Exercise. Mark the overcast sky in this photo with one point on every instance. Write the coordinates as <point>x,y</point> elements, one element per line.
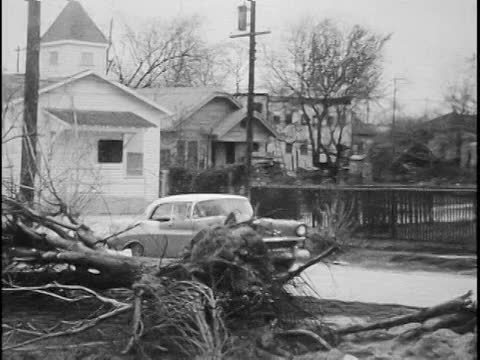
<point>431,38</point>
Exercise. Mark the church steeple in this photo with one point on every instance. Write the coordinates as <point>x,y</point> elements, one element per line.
<point>73,43</point>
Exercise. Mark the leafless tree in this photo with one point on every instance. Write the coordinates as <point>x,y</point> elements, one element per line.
<point>462,95</point>
<point>236,63</point>
<point>321,64</point>
<point>166,54</point>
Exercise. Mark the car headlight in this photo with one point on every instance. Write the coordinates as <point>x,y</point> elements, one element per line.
<point>301,230</point>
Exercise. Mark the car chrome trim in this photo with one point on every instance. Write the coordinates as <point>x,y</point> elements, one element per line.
<point>283,238</point>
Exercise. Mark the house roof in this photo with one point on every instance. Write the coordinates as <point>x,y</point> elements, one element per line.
<point>184,101</point>
<point>13,85</point>
<point>361,128</point>
<point>73,23</point>
<point>101,118</point>
<point>227,124</point>
<point>453,121</point>
<point>51,84</point>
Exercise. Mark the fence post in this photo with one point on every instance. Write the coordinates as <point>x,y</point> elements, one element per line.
<point>393,215</point>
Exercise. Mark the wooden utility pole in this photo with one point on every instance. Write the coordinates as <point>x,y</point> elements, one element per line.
<point>251,88</point>
<point>17,50</point>
<point>393,114</point>
<point>30,100</point>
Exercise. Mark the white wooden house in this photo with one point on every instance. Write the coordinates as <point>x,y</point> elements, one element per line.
<point>98,141</point>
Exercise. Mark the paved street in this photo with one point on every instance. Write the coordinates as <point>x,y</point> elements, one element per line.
<point>416,288</point>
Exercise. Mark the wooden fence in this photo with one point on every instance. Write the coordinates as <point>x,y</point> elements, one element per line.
<point>403,213</point>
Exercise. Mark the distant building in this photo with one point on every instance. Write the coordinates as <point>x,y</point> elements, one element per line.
<point>454,138</point>
<point>293,145</point>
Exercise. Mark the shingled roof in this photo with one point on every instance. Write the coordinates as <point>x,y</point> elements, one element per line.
<point>183,101</point>
<point>101,118</point>
<point>73,23</point>
<point>452,122</point>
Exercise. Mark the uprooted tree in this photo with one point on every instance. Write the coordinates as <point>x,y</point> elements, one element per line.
<point>225,274</point>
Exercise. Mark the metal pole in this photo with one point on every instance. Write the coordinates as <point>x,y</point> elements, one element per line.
<point>29,139</point>
<point>251,86</point>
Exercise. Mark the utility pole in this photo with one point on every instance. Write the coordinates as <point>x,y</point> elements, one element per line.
<point>108,63</point>
<point>30,99</point>
<point>394,109</point>
<point>251,81</point>
<point>17,50</point>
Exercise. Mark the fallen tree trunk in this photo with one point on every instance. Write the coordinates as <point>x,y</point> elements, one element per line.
<point>460,304</point>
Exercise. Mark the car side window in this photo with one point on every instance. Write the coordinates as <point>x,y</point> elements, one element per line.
<point>163,211</point>
<point>181,210</point>
<point>207,208</point>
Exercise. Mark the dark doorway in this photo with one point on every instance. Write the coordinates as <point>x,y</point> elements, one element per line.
<point>230,152</point>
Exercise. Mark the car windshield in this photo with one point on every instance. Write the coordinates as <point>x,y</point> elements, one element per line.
<point>218,207</point>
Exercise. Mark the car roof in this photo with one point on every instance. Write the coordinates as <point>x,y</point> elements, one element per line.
<point>192,198</point>
<point>197,197</point>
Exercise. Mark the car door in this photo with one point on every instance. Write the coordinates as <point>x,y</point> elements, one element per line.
<point>156,230</point>
<point>206,214</point>
<point>181,226</point>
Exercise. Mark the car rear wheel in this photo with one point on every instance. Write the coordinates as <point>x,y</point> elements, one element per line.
<point>136,249</point>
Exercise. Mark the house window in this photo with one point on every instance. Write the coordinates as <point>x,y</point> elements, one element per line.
<point>258,107</point>
<point>53,57</point>
<point>192,154</point>
<point>180,152</point>
<point>288,118</point>
<point>288,148</point>
<point>256,147</point>
<point>110,151</point>
<point>134,164</point>
<point>276,119</point>
<point>165,158</point>
<point>86,59</point>
<point>304,149</point>
<point>243,123</point>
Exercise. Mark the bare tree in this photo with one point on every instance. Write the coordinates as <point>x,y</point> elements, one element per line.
<point>157,53</point>
<point>236,63</point>
<point>324,67</point>
<point>167,54</point>
<point>462,95</point>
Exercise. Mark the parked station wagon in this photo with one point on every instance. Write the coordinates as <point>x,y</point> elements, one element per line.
<point>170,223</point>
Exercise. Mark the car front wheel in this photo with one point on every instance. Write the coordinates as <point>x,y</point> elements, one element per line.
<point>136,249</point>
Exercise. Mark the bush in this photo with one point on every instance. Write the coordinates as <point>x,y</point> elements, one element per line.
<point>215,180</point>
<point>181,180</point>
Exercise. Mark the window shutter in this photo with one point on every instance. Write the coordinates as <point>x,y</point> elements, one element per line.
<point>192,154</point>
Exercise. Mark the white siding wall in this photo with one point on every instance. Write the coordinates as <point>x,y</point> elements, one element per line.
<point>58,145</point>
<point>69,59</point>
<point>12,145</point>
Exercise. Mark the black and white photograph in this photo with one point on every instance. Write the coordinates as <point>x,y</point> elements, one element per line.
<point>239,179</point>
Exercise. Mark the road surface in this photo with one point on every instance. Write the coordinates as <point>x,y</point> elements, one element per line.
<point>411,288</point>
